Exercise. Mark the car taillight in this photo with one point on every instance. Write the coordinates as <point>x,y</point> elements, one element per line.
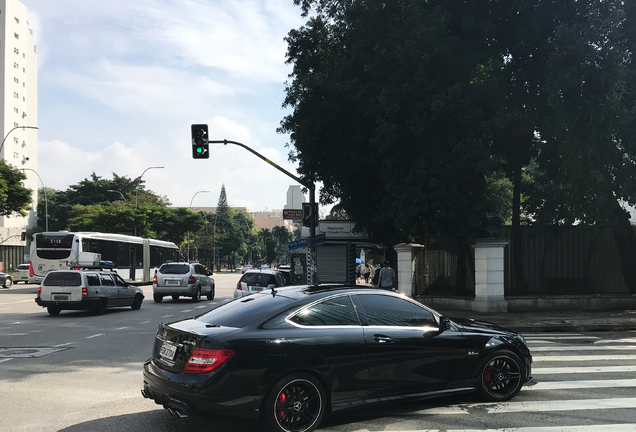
<point>84,291</point>
<point>238,286</point>
<point>39,291</point>
<point>75,268</point>
<point>30,269</point>
<point>204,360</point>
<point>191,279</point>
<point>154,279</point>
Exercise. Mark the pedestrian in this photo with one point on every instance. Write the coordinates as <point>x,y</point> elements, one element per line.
<point>387,277</point>
<point>376,276</point>
<point>367,272</point>
<point>358,274</point>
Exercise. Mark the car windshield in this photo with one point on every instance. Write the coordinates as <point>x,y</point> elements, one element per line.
<point>244,311</point>
<point>62,279</point>
<point>258,279</point>
<point>175,269</point>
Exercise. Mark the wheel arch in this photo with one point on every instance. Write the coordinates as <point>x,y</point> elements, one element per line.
<point>320,378</point>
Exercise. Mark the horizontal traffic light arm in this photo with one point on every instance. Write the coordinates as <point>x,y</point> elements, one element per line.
<point>308,185</point>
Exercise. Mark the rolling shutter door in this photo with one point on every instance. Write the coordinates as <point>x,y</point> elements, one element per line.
<point>332,264</point>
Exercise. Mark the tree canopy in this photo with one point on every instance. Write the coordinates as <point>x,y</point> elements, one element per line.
<point>15,199</point>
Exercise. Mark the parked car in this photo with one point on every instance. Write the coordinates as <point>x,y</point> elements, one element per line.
<point>246,267</point>
<point>5,280</point>
<point>182,280</point>
<point>286,271</point>
<point>257,280</point>
<point>21,274</point>
<point>292,355</point>
<point>86,290</point>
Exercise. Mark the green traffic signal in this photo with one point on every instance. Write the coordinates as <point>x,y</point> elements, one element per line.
<point>200,141</point>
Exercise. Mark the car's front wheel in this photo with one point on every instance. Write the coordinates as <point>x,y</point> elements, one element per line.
<point>211,293</point>
<point>197,295</point>
<point>296,403</point>
<point>501,376</point>
<point>102,306</point>
<point>136,304</point>
<point>8,282</point>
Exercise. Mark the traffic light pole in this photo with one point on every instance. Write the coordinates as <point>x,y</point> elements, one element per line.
<point>308,185</point>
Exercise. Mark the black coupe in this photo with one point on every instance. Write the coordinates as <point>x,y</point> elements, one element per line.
<point>292,355</point>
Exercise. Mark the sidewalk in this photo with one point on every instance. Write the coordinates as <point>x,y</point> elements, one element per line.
<point>555,321</point>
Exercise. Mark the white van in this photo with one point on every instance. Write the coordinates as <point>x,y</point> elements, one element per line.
<point>21,274</point>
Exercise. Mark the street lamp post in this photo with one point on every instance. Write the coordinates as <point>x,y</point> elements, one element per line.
<point>17,127</point>
<point>139,178</point>
<point>46,201</point>
<point>116,191</point>
<point>190,207</point>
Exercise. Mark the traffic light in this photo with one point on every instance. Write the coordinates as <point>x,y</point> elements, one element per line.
<point>307,214</point>
<point>200,141</point>
<point>23,236</point>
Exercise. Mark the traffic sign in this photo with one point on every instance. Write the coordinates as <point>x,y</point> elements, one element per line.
<point>316,240</point>
<point>297,244</point>
<point>292,214</point>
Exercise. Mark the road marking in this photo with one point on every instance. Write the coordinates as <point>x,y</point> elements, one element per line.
<point>585,348</point>
<point>199,307</point>
<point>529,338</point>
<point>16,302</point>
<point>551,334</point>
<point>534,406</point>
<point>628,340</point>
<point>144,322</point>
<point>591,369</point>
<point>539,342</point>
<point>564,385</point>
<point>5,360</point>
<point>167,316</point>
<point>583,358</point>
<point>622,427</point>
<point>64,344</point>
<point>187,310</point>
<point>122,328</point>
<point>14,334</point>
<point>94,336</point>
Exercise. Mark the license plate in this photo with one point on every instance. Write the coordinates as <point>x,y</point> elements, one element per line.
<point>168,351</point>
<point>173,282</point>
<point>60,297</point>
<point>257,288</point>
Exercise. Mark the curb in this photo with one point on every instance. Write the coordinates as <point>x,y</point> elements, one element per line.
<point>551,328</point>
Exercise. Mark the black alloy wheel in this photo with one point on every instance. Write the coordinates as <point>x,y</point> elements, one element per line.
<point>53,310</point>
<point>7,282</point>
<point>102,307</point>
<point>197,296</point>
<point>157,298</point>
<point>501,376</point>
<point>175,297</point>
<point>136,304</point>
<point>211,293</point>
<point>296,403</point>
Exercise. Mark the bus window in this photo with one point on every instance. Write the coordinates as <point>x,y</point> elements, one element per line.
<point>53,247</point>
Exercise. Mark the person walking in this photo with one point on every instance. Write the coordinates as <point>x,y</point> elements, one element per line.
<point>387,277</point>
<point>367,272</point>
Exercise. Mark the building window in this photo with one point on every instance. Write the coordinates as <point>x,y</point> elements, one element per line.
<point>15,50</point>
<point>17,36</point>
<point>15,155</point>
<point>15,65</point>
<point>15,95</point>
<point>23,99</point>
<point>15,110</point>
<point>15,140</point>
<point>23,69</point>
<point>17,21</point>
<point>17,81</point>
<point>23,143</point>
<point>15,124</point>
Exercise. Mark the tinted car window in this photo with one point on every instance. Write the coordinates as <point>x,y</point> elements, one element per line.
<point>338,311</point>
<point>383,310</point>
<point>106,280</point>
<point>23,267</point>
<point>244,311</point>
<point>258,279</point>
<point>62,279</point>
<point>174,269</point>
<point>119,281</point>
<point>93,279</point>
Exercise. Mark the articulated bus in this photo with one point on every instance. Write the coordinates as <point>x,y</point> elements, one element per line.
<point>134,258</point>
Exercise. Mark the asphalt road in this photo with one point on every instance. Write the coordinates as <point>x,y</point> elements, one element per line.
<point>82,372</point>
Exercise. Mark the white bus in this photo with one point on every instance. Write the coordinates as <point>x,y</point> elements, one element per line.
<point>134,258</point>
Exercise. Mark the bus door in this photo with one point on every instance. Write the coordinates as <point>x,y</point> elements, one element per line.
<point>131,260</point>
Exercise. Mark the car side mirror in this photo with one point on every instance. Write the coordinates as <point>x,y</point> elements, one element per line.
<point>210,273</point>
<point>444,324</point>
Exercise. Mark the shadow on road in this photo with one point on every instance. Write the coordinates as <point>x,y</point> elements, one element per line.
<point>30,289</point>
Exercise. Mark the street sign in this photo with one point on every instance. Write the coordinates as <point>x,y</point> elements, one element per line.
<point>292,214</point>
<point>316,240</point>
<point>297,244</point>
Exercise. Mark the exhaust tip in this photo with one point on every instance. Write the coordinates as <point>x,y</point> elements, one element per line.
<point>172,412</point>
<point>145,394</point>
<point>181,414</point>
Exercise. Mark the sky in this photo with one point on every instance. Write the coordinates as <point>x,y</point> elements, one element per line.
<point>120,82</point>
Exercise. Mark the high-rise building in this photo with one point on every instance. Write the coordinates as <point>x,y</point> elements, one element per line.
<point>19,93</point>
<point>295,198</point>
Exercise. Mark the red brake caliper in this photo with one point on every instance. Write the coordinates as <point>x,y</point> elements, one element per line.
<point>281,399</point>
<point>487,377</point>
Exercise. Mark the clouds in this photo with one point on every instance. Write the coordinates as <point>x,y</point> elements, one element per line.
<point>121,81</point>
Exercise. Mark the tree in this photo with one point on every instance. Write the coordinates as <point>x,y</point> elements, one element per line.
<point>15,199</point>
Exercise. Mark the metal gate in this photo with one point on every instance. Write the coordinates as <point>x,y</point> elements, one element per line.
<point>331,262</point>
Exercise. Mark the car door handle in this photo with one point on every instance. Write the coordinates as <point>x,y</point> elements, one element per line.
<point>382,339</point>
<point>277,341</point>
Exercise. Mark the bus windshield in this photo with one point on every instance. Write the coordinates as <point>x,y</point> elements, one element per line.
<point>53,246</point>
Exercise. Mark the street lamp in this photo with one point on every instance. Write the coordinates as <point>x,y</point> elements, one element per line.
<point>46,201</point>
<point>190,207</point>
<point>116,191</point>
<point>139,178</point>
<point>17,127</point>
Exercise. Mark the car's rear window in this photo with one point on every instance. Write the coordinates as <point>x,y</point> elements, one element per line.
<point>174,269</point>
<point>23,267</point>
<point>62,279</point>
<point>258,279</point>
<point>245,311</point>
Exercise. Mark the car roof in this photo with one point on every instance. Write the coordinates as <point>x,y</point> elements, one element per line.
<point>316,292</point>
<point>262,271</point>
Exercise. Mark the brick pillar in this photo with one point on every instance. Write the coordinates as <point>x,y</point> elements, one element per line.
<point>489,276</point>
<point>406,253</point>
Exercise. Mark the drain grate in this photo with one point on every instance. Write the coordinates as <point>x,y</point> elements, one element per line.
<point>29,352</point>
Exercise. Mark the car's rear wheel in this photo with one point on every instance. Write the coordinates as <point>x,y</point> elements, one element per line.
<point>197,296</point>
<point>501,376</point>
<point>296,403</point>
<point>102,307</point>
<point>136,304</point>
<point>211,293</point>
<point>157,298</point>
<point>53,310</point>
<point>8,282</point>
<point>175,297</point>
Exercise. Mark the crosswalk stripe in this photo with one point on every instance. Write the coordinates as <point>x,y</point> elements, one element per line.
<point>539,342</point>
<point>621,427</point>
<point>534,406</point>
<point>538,359</point>
<point>582,384</point>
<point>529,338</point>
<point>584,348</point>
<point>551,334</point>
<point>585,369</point>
